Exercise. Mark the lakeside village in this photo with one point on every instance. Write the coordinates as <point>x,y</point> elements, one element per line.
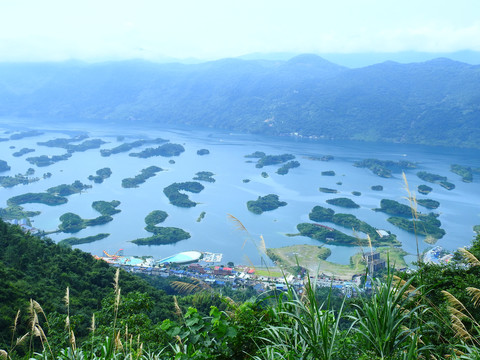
<point>205,266</point>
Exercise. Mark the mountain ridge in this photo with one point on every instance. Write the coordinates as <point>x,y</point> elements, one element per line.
<point>304,96</point>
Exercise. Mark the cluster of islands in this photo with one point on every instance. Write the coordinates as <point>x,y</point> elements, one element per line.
<point>323,218</point>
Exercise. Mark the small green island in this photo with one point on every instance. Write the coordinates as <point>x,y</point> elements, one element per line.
<point>145,174</point>
<point>179,199</point>
<point>424,189</point>
<point>385,168</point>
<point>53,196</point>
<point>44,160</point>
<point>23,179</point>
<point>4,166</point>
<point>266,160</point>
<point>164,236</point>
<point>264,174</point>
<point>428,203</point>
<point>84,146</point>
<point>356,193</point>
<point>161,235</point>
<point>427,225</point>
<point>66,190</point>
<point>165,150</point>
<point>437,179</point>
<point>72,223</point>
<point>201,216</point>
<point>155,217</point>
<point>256,155</point>
<point>265,203</point>
<point>204,176</point>
<point>402,216</point>
<point>106,207</point>
<point>63,142</point>
<point>16,212</point>
<point>129,146</point>
<point>466,172</point>
<point>343,202</point>
<point>71,148</point>
<point>327,190</point>
<point>393,207</point>
<point>328,173</point>
<point>284,169</point>
<point>202,152</point>
<point>22,152</point>
<point>78,241</point>
<point>245,181</point>
<point>377,188</point>
<point>349,221</point>
<point>101,175</point>
<point>320,158</point>
<point>24,134</point>
<point>42,198</point>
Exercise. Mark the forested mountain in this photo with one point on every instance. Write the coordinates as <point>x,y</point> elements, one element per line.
<point>434,102</point>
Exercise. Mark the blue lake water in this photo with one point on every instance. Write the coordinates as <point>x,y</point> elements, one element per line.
<point>459,210</point>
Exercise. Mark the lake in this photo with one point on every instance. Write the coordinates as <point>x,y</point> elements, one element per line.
<point>459,210</point>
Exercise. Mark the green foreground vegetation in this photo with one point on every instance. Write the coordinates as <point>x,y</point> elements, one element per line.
<point>384,320</point>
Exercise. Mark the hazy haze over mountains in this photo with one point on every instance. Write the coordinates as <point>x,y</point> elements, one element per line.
<point>306,96</point>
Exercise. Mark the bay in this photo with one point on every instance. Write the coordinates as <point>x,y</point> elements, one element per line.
<point>459,210</point>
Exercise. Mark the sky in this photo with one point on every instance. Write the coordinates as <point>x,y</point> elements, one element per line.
<point>97,30</point>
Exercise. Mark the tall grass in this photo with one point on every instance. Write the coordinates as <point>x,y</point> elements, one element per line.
<point>386,320</point>
<point>308,329</point>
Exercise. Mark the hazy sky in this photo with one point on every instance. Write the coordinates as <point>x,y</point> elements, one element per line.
<point>210,29</point>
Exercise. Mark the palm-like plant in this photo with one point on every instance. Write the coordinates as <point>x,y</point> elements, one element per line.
<point>386,321</point>
<point>308,329</point>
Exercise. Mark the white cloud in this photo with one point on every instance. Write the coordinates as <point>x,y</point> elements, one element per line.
<point>87,29</point>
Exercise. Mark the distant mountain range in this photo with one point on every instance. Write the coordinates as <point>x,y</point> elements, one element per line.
<point>435,102</point>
